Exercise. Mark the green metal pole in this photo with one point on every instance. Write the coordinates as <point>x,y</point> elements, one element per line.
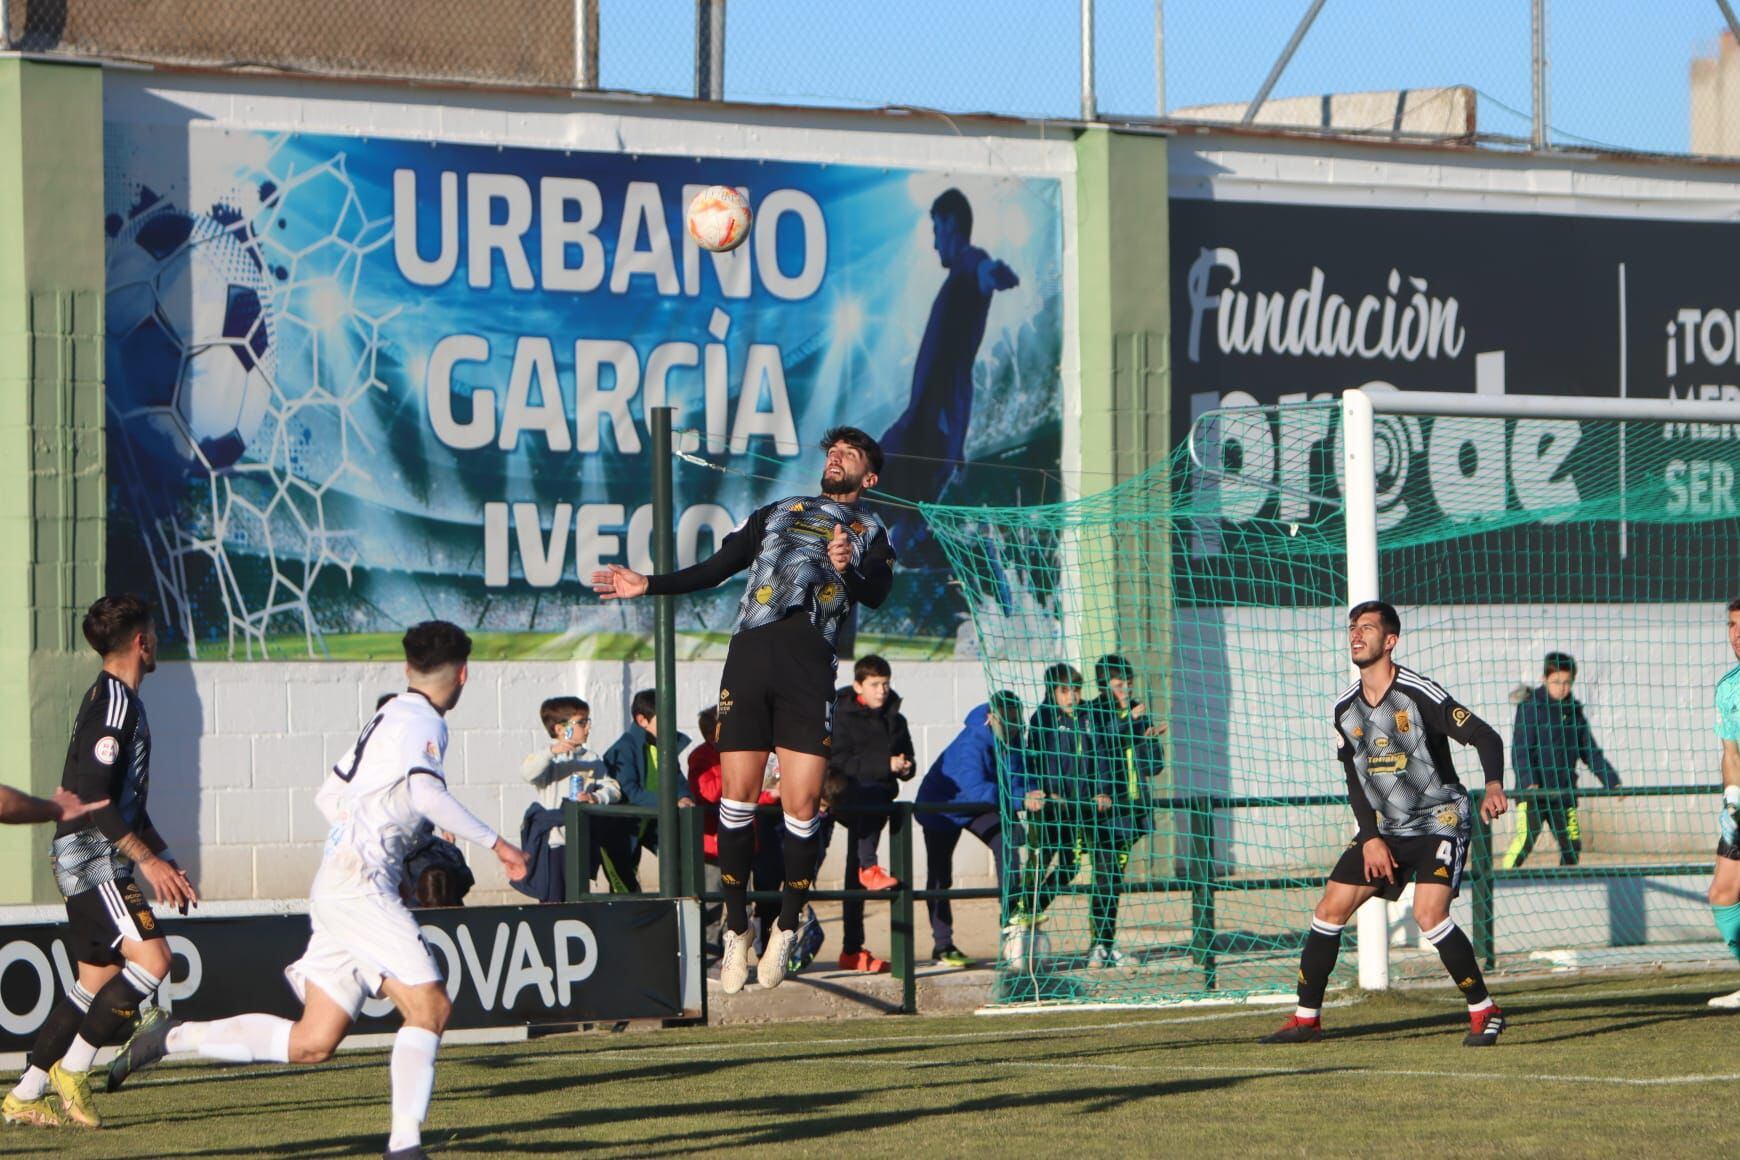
<point>664,551</point>
<point>900,930</point>
<point>1485,948</point>
<point>576,850</point>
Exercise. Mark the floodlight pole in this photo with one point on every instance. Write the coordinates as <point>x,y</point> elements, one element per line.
<point>709,50</point>
<point>1281,63</point>
<point>664,552</point>
<point>1160,58</point>
<point>1538,25</point>
<point>585,43</point>
<point>1089,103</point>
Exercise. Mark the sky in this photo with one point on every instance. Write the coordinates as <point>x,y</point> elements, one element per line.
<point>1618,69</point>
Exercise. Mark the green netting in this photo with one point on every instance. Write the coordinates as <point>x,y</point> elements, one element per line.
<point>1220,578</point>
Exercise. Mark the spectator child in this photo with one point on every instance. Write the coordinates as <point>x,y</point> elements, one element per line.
<point>634,761</point>
<point>872,748</point>
<point>975,768</point>
<point>1130,756</point>
<point>1551,735</point>
<point>567,769</point>
<point>1060,751</point>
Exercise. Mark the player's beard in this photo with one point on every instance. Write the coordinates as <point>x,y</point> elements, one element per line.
<point>844,484</point>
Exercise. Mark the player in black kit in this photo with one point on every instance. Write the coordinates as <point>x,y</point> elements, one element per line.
<point>120,948</point>
<point>811,560</point>
<point>1393,731</point>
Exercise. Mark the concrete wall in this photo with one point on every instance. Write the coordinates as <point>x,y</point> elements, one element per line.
<point>240,750</point>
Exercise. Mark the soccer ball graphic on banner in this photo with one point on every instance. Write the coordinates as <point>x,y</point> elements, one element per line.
<point>190,357</point>
<point>719,218</point>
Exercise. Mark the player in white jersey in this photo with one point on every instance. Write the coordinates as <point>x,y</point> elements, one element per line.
<point>365,942</point>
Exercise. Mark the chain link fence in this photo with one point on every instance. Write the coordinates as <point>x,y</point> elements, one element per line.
<point>1658,77</point>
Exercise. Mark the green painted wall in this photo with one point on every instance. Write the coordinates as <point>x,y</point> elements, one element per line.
<point>1123,292</point>
<point>51,428</point>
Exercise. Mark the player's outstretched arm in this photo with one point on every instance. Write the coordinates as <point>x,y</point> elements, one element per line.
<point>20,809</point>
<point>511,857</point>
<point>618,583</point>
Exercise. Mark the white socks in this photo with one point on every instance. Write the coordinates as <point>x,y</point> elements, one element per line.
<point>31,1084</point>
<point>239,1039</point>
<point>413,1084</point>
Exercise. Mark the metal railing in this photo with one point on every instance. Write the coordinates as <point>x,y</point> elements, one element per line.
<point>1195,852</point>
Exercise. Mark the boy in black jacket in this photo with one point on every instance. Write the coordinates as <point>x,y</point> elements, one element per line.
<point>872,749</point>
<point>1130,755</point>
<point>1062,753</point>
<point>1550,737</point>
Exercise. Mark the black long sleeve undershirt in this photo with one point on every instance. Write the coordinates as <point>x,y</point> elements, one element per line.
<point>734,555</point>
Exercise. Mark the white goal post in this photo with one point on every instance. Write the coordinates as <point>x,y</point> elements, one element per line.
<point>1359,498</point>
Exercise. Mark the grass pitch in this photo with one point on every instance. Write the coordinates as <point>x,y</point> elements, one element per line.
<point>1590,1066</point>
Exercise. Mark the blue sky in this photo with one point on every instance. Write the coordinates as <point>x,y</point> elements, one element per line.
<point>1618,67</point>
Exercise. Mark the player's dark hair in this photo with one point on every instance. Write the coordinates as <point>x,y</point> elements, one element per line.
<point>1386,613</point>
<point>645,704</point>
<point>870,665</point>
<point>437,886</point>
<point>1734,604</point>
<point>852,437</point>
<point>1062,674</point>
<point>1559,662</point>
<point>435,644</point>
<point>555,710</point>
<point>1112,667</point>
<point>953,204</point>
<point>709,722</point>
<point>113,621</point>
<point>1006,707</point>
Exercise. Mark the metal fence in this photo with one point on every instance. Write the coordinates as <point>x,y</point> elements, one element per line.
<point>1597,74</point>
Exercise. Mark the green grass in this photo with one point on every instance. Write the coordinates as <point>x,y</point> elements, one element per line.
<point>1591,1066</point>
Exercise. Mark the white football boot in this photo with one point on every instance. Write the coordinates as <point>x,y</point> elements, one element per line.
<point>734,962</point>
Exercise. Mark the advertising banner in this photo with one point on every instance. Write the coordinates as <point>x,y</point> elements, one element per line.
<point>358,383</point>
<point>1280,303</point>
<point>505,966</point>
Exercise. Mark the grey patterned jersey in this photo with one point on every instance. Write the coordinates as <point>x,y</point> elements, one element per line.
<point>109,757</point>
<point>1398,755</point>
<point>791,569</point>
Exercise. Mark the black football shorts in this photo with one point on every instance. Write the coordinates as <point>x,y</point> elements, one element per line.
<point>777,691</point>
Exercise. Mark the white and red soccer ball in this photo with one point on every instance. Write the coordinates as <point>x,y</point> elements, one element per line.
<point>719,218</point>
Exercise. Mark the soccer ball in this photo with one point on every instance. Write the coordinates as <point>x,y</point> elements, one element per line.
<point>190,353</point>
<point>719,218</point>
<point>1024,946</point>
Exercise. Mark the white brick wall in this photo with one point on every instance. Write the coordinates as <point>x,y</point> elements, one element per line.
<point>240,748</point>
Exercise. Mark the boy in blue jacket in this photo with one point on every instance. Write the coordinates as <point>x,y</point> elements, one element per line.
<point>1550,737</point>
<point>977,767</point>
<point>637,765</point>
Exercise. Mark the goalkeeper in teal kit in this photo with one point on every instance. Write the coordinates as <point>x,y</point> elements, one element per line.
<point>1725,884</point>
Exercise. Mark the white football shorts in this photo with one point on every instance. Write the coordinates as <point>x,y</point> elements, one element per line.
<point>356,943</point>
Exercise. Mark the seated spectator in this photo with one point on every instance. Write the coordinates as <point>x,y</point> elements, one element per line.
<point>1550,737</point>
<point>973,769</point>
<point>634,762</point>
<point>872,749</point>
<point>435,870</point>
<point>567,770</point>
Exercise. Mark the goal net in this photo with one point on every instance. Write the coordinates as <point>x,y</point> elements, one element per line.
<point>1184,832</point>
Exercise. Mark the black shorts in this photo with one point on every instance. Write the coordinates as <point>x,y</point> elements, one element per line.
<point>104,915</point>
<point>1431,858</point>
<point>777,691</point>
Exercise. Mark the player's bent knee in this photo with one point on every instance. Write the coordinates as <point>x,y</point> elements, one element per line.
<point>151,955</point>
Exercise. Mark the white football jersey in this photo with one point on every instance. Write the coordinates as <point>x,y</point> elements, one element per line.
<point>367,798</point>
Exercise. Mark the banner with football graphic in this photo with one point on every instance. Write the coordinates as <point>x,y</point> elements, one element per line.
<point>358,383</point>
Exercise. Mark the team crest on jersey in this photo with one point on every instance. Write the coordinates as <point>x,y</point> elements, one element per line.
<point>1402,722</point>
<point>146,920</point>
<point>827,594</point>
<point>857,527</point>
<point>107,750</point>
<point>1460,716</point>
<point>1448,816</point>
